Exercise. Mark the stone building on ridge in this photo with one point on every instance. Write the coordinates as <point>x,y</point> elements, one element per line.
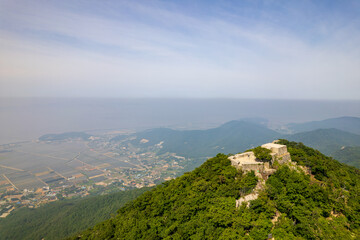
<point>247,161</point>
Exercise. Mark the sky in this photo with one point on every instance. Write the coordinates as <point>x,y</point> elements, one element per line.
<point>180,49</point>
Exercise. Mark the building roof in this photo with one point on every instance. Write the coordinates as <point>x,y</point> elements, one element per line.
<point>272,145</point>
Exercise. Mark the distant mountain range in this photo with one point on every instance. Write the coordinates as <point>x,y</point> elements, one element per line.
<point>328,136</point>
<point>231,137</point>
<point>326,140</point>
<point>348,124</point>
<point>237,136</point>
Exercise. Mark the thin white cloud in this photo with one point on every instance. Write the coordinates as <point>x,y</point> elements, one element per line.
<point>50,50</point>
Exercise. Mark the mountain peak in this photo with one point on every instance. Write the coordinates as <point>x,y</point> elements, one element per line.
<point>293,204</point>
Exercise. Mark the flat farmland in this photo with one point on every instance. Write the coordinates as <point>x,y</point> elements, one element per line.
<point>24,180</point>
<point>98,159</point>
<point>50,177</point>
<point>92,173</point>
<point>75,164</point>
<point>36,164</point>
<point>65,170</point>
<point>98,179</point>
<point>56,150</point>
<point>6,170</point>
<point>4,183</point>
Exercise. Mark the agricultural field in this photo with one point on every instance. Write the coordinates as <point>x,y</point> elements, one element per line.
<point>35,164</point>
<point>75,165</point>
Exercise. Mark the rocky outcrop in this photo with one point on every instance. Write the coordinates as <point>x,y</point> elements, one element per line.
<point>246,199</point>
<point>254,195</point>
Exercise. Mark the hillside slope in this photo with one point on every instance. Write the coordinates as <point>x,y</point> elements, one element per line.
<point>348,155</point>
<point>327,141</point>
<point>63,218</point>
<point>201,204</point>
<point>341,145</point>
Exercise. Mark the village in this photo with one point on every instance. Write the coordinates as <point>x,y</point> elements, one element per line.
<point>146,169</point>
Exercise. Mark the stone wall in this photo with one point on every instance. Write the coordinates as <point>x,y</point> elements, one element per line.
<point>257,167</point>
<point>283,158</point>
<point>243,157</point>
<point>248,162</point>
<point>278,149</point>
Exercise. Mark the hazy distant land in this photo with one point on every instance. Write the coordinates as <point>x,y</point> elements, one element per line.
<point>28,118</point>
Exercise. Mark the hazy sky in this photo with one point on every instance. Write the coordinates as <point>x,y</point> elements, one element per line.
<point>236,49</point>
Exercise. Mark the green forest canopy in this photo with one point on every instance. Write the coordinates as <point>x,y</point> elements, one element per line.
<point>201,204</point>
<point>63,218</point>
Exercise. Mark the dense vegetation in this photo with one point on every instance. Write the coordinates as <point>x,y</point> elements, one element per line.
<point>348,155</point>
<point>262,153</point>
<point>198,204</point>
<point>343,146</point>
<point>201,204</point>
<point>323,205</point>
<point>326,140</point>
<point>63,218</point>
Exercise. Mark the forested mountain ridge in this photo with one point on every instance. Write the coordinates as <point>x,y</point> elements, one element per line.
<point>239,135</point>
<point>63,218</point>
<point>348,155</point>
<point>295,204</point>
<point>327,141</point>
<point>231,137</point>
